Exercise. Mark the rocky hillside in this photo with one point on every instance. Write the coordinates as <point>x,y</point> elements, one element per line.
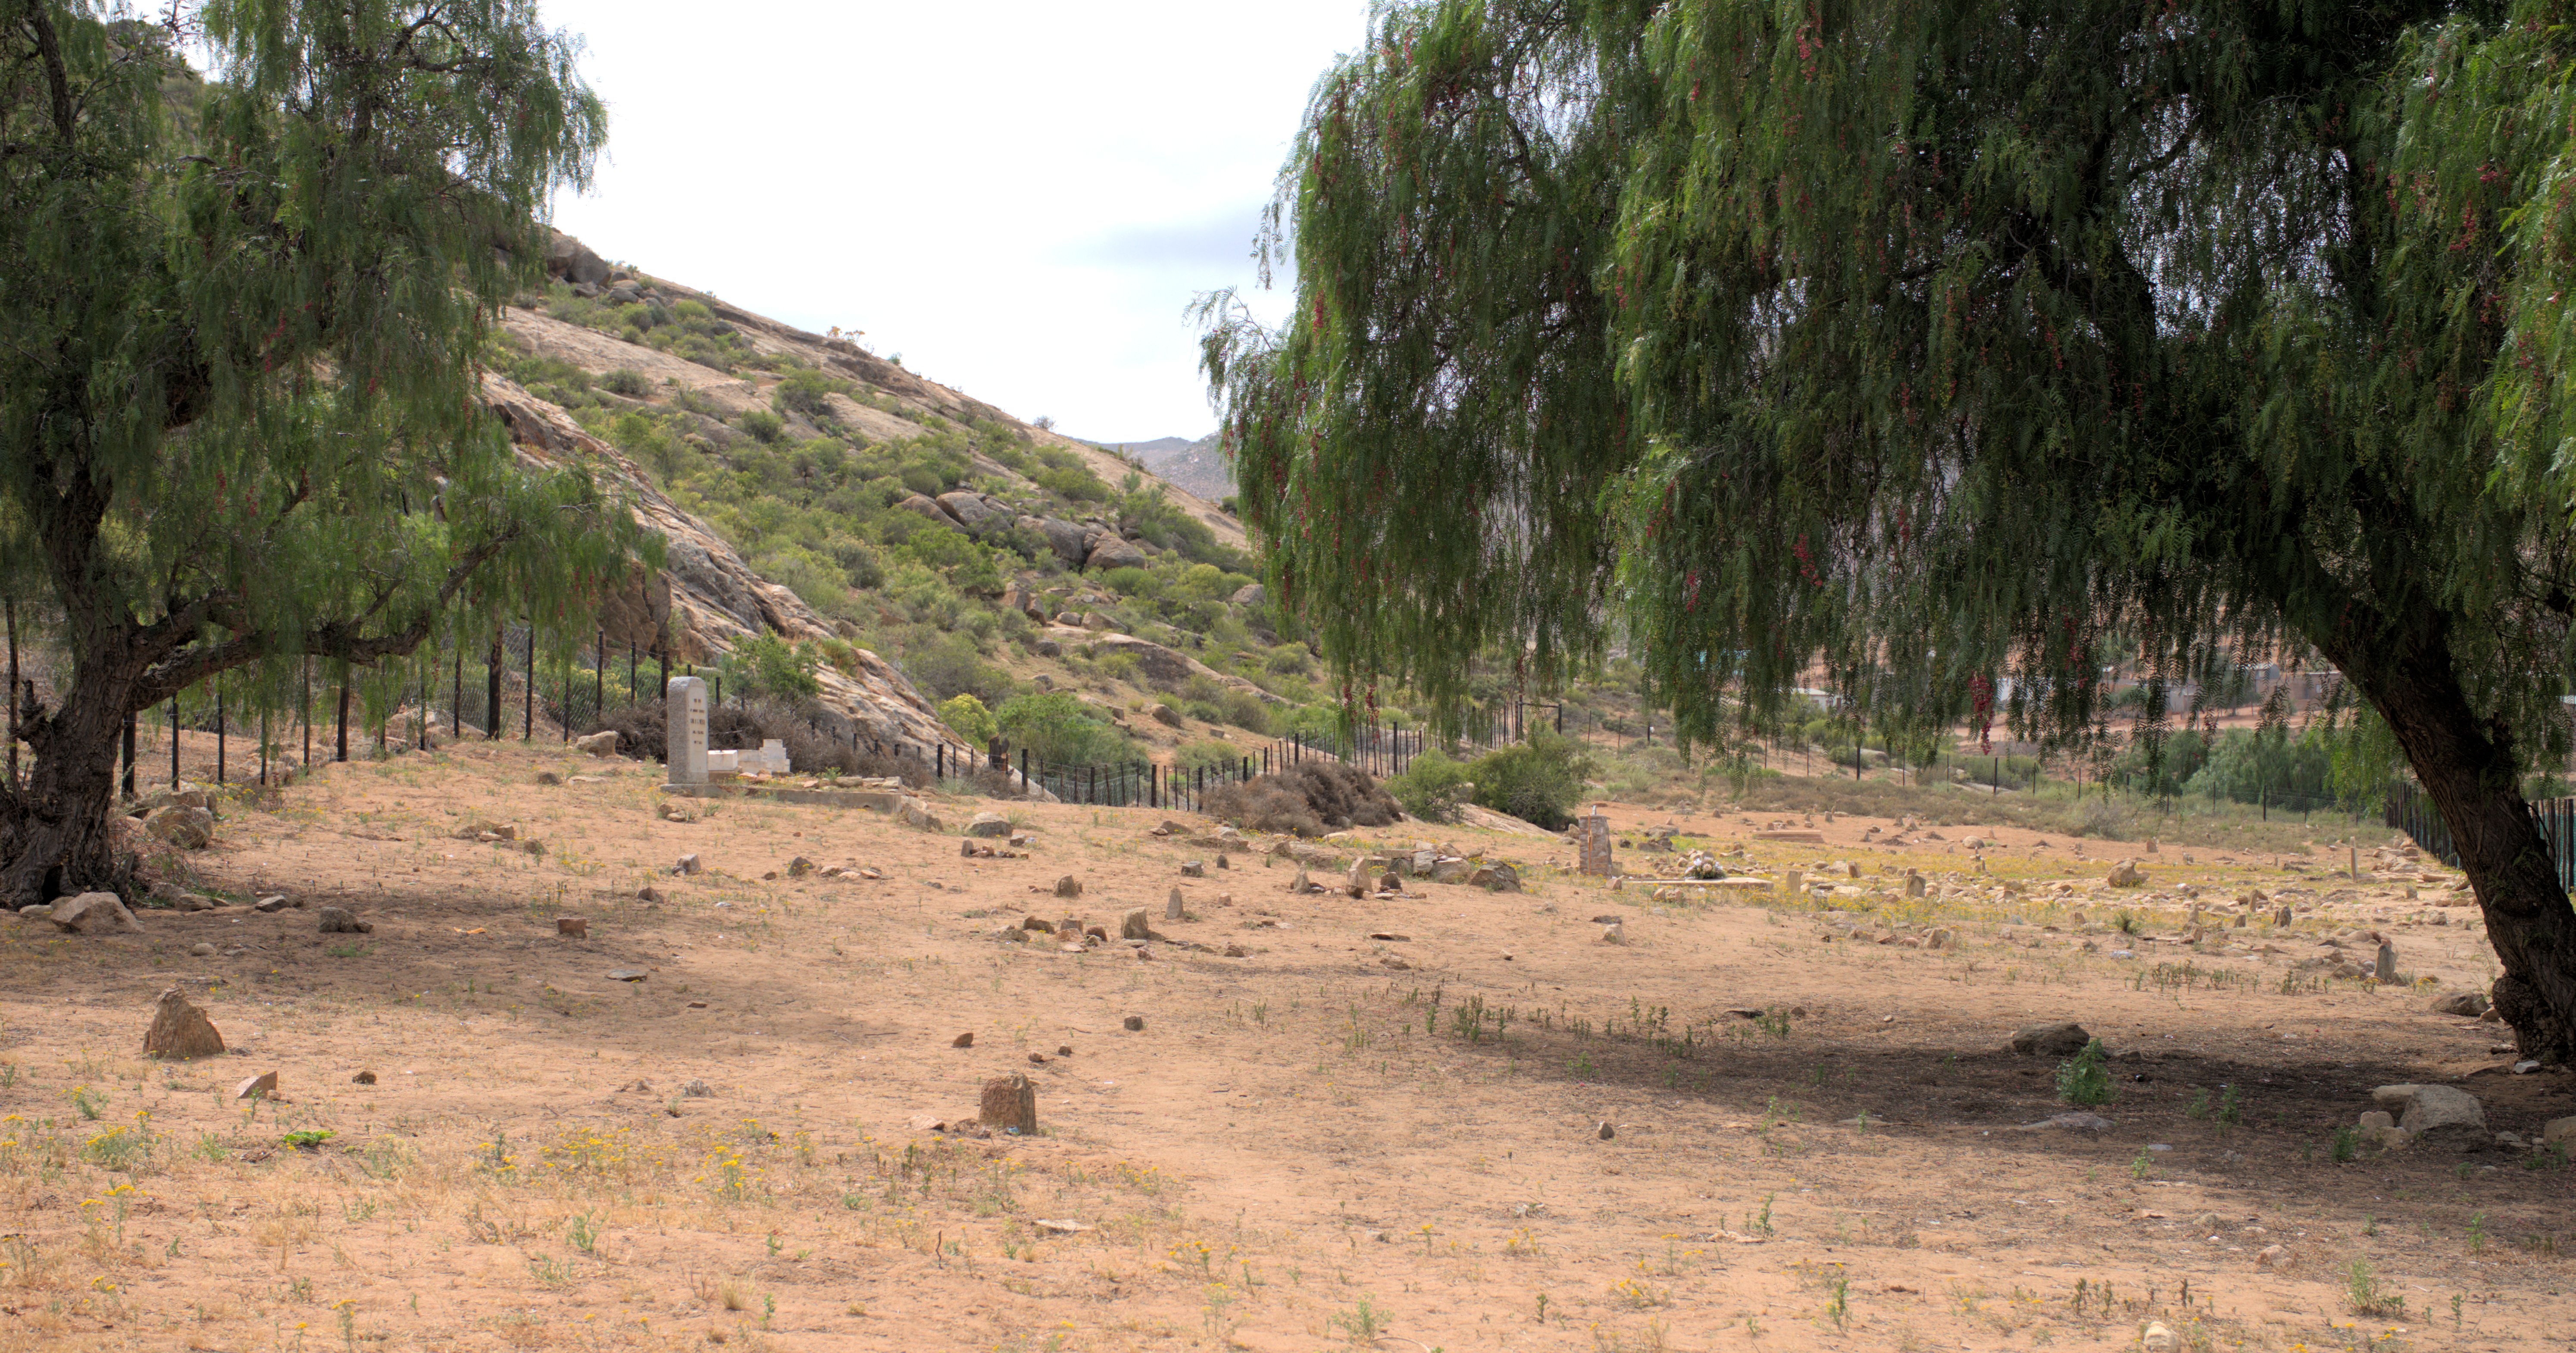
<point>906,542</point>
<point>1195,466</point>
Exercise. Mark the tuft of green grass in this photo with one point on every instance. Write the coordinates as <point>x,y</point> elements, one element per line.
<point>2085,1080</point>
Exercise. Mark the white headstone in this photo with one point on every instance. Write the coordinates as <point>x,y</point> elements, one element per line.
<point>685,718</point>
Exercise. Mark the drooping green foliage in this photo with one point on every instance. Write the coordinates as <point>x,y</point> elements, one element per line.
<point>239,315</point>
<point>1953,349</point>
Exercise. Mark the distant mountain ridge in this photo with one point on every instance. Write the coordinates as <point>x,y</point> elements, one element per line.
<point>1196,466</point>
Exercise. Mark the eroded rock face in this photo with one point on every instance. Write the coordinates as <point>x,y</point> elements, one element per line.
<point>571,260</point>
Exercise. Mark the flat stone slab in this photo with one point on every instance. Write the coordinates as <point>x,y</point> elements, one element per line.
<point>874,800</point>
<point>1739,884</point>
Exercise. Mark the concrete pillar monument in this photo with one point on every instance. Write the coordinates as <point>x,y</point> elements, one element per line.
<point>685,720</point>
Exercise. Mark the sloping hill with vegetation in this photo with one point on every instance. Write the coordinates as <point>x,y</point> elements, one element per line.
<point>1026,582</point>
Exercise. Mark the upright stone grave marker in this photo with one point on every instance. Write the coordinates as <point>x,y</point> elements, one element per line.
<point>685,721</point>
<point>1596,844</point>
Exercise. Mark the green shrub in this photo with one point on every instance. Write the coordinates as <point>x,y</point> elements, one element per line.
<point>1060,729</point>
<point>972,721</point>
<point>1539,781</point>
<point>2084,1080</point>
<point>1432,787</point>
<point>766,666</point>
<point>761,425</point>
<point>1205,753</point>
<point>807,392</point>
<point>1246,711</point>
<point>947,665</point>
<point>1289,659</point>
<point>629,383</point>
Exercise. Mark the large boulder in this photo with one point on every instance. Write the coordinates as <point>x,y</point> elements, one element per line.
<point>930,508</point>
<point>1112,552</point>
<point>181,826</point>
<point>572,261</point>
<point>95,914</point>
<point>1252,595</point>
<point>1071,540</point>
<point>980,516</point>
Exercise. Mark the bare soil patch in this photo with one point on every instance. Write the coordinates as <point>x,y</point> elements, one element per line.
<point>1331,1141</point>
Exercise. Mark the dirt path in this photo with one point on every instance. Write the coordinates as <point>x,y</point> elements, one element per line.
<point>1332,1140</point>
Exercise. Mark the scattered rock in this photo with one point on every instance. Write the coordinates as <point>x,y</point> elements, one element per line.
<point>2467,1003</point>
<point>2126,874</point>
<point>182,826</point>
<point>2558,1130</point>
<point>2158,1339</point>
<point>548,777</point>
<point>2051,1040</point>
<point>799,867</point>
<point>1068,886</point>
<point>696,1089</point>
<point>1195,869</point>
<point>94,914</point>
<point>2274,1257</point>
<point>1058,1228</point>
<point>1011,1104</point>
<point>201,949</point>
<point>688,865</point>
<point>261,1086</point>
<point>1133,926</point>
<point>628,974</point>
<point>2431,1108</point>
<point>1615,933</point>
<point>1237,951</point>
<point>272,904</point>
<point>1165,715</point>
<point>1605,1132</point>
<point>180,1031</point>
<point>363,1078</point>
<point>1135,1023</point>
<point>911,814</point>
<point>338,921</point>
<point>672,810</point>
<point>988,825</point>
<point>648,893</point>
<point>964,1040</point>
<point>601,743</point>
<point>2386,969</point>
<point>1172,908</point>
<point>1497,876</point>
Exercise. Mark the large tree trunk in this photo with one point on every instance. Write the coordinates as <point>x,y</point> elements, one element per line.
<point>2468,769</point>
<point>57,832</point>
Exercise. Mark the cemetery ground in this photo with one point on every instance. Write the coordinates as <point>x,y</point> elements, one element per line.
<point>1381,1126</point>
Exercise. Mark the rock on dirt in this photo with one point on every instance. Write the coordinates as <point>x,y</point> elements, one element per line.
<point>911,814</point>
<point>2063,1039</point>
<point>2126,874</point>
<point>2430,1108</point>
<point>261,1086</point>
<point>601,743</point>
<point>180,1030</point>
<point>363,1078</point>
<point>1172,908</point>
<point>94,914</point>
<point>182,826</point>
<point>338,921</point>
<point>2469,1004</point>
<point>688,864</point>
<point>1134,1024</point>
<point>1068,886</point>
<point>988,825</point>
<point>1134,926</point>
<point>964,1040</point>
<point>1010,1105</point>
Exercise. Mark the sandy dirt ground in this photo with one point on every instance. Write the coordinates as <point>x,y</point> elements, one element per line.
<point>708,1122</point>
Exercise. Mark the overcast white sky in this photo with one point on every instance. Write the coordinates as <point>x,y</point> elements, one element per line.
<point>1020,198</point>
